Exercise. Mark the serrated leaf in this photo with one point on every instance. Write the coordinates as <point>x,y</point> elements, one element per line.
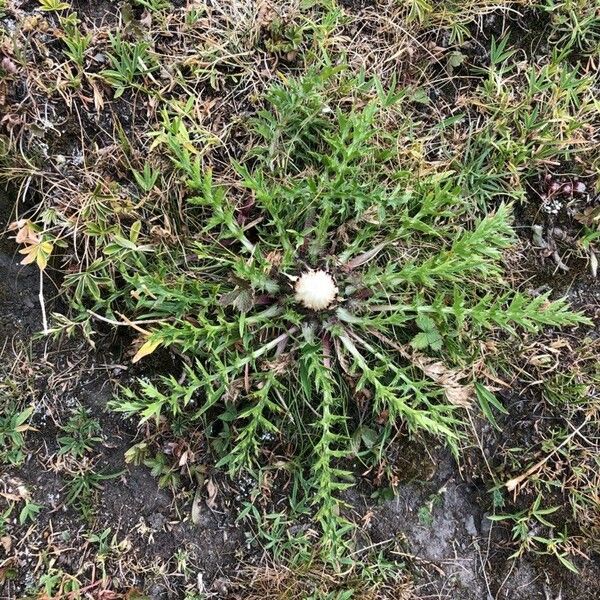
<point>420,96</point>
<point>420,341</point>
<point>244,301</point>
<point>229,298</point>
<point>435,339</point>
<point>427,339</point>
<point>425,323</point>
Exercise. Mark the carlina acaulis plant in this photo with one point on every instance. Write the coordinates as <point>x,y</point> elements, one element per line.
<point>331,281</point>
<point>333,299</point>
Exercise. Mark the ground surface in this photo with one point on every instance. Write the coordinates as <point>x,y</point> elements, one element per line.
<point>453,553</point>
<point>105,528</point>
<point>149,524</point>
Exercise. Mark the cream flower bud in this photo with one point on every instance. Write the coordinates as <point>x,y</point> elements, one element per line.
<point>315,290</point>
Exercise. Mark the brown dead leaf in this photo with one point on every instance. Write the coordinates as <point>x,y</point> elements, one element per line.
<point>34,23</point>
<point>11,121</point>
<point>98,98</point>
<point>593,263</point>
<point>17,492</point>
<point>183,459</point>
<point>448,379</point>
<point>26,233</point>
<point>213,491</point>
<point>11,497</point>
<point>590,216</point>
<point>197,505</point>
<point>274,258</point>
<point>361,259</point>
<point>459,395</point>
<point>541,360</point>
<point>146,19</point>
<point>266,14</point>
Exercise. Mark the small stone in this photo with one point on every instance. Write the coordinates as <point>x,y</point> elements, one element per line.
<point>470,525</point>
<point>157,521</point>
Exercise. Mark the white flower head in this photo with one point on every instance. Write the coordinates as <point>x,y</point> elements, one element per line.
<point>315,290</point>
